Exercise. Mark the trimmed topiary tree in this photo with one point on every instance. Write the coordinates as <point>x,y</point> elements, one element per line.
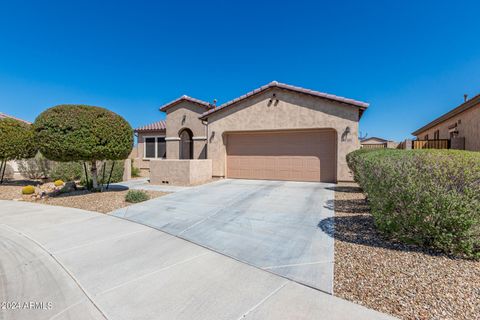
<point>83,133</point>
<point>16,142</point>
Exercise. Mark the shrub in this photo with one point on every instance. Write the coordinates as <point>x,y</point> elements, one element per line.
<point>28,190</point>
<point>135,171</point>
<point>9,172</point>
<point>426,197</point>
<point>117,174</point>
<point>58,183</point>
<point>16,140</point>
<point>83,133</point>
<point>67,171</point>
<point>135,196</point>
<point>37,167</point>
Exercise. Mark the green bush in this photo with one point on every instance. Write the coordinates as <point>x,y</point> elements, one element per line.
<point>83,133</point>
<point>37,167</point>
<point>135,196</point>
<point>426,197</point>
<point>135,171</point>
<point>67,171</point>
<point>16,140</point>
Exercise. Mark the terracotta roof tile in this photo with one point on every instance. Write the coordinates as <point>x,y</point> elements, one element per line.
<point>185,98</point>
<point>3,116</point>
<point>156,126</point>
<point>275,84</point>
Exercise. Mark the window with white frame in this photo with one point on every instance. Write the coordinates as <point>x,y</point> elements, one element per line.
<point>154,147</point>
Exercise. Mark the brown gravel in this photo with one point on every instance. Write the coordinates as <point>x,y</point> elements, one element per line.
<point>402,280</point>
<point>103,202</point>
<point>11,190</point>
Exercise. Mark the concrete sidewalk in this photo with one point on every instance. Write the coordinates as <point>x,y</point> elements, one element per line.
<point>94,266</point>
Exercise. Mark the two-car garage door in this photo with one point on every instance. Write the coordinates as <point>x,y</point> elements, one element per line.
<point>282,155</point>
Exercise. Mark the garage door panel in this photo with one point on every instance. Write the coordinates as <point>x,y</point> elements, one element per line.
<point>297,156</point>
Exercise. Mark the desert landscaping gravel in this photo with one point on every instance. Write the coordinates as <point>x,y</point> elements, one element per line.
<point>103,202</point>
<point>402,280</point>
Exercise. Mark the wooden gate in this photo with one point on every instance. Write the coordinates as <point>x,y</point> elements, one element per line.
<point>431,144</point>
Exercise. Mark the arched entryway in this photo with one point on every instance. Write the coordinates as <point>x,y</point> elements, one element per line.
<point>186,144</point>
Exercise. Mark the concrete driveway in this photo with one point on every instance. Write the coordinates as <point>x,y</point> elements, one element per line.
<point>63,263</point>
<point>272,225</point>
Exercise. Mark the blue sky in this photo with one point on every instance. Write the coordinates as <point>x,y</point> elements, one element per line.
<point>411,60</point>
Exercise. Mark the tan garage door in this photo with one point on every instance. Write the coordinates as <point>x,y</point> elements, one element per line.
<point>287,155</point>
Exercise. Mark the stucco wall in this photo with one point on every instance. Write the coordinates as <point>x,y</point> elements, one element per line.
<point>293,111</point>
<point>185,115</point>
<point>180,172</point>
<point>468,127</point>
<point>138,160</point>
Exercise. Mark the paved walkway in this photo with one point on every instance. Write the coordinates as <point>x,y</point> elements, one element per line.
<point>92,266</point>
<point>143,184</point>
<point>273,225</point>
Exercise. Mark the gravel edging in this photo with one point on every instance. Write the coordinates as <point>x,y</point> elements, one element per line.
<point>102,202</point>
<point>402,280</point>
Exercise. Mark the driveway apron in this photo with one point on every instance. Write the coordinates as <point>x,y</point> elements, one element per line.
<point>273,225</point>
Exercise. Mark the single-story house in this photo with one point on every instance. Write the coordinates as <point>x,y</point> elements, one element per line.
<point>276,132</point>
<point>376,142</point>
<point>13,164</point>
<point>461,125</point>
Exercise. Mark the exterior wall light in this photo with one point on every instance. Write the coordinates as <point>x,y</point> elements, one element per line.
<point>346,133</point>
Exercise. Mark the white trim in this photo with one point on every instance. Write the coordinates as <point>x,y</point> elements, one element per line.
<point>199,138</point>
<point>172,139</point>
<point>156,147</point>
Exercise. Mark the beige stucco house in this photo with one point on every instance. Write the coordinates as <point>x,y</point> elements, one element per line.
<point>276,132</point>
<point>461,125</point>
<point>376,142</point>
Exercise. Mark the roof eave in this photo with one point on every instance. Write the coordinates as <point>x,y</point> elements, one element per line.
<point>14,118</point>
<point>361,105</point>
<point>175,102</point>
<point>450,114</point>
<point>147,130</point>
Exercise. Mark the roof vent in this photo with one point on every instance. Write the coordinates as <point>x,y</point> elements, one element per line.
<point>465,97</point>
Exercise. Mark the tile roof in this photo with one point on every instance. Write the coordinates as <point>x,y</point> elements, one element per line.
<point>475,101</point>
<point>3,116</point>
<point>156,126</point>
<point>167,106</point>
<point>275,84</point>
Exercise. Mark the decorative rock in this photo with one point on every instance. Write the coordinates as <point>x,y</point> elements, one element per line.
<point>69,187</point>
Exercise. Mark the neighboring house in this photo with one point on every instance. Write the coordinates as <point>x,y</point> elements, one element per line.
<point>13,164</point>
<point>277,132</point>
<point>375,142</point>
<point>461,125</point>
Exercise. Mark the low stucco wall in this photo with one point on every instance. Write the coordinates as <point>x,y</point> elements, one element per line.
<point>180,172</point>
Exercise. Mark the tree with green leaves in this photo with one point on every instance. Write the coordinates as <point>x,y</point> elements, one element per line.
<point>16,142</point>
<point>83,133</point>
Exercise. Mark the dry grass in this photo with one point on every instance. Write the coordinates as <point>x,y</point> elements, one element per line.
<point>402,280</point>
<point>103,202</point>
